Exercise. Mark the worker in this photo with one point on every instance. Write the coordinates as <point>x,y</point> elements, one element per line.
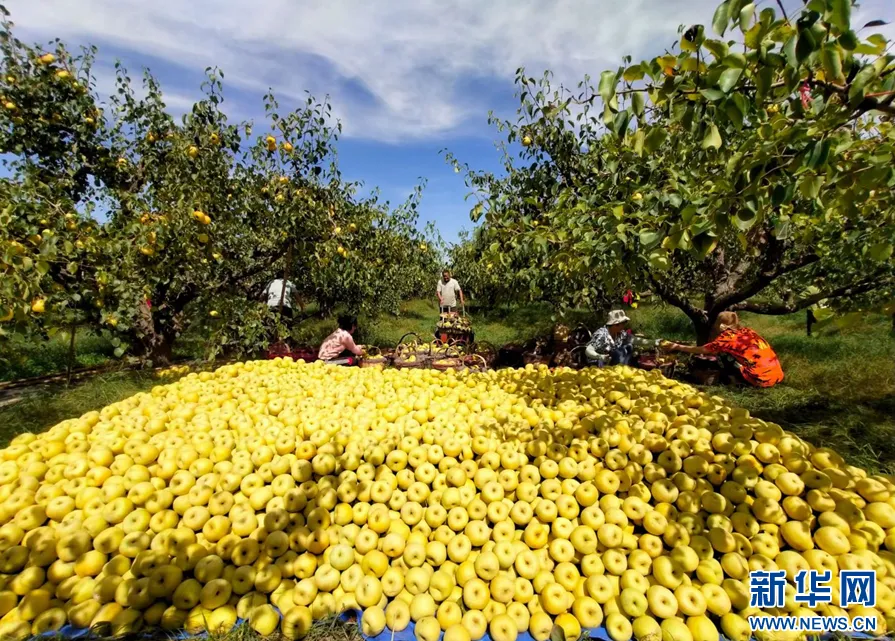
<point>612,344</point>
<point>339,347</point>
<point>275,294</point>
<point>745,356</point>
<point>448,290</point>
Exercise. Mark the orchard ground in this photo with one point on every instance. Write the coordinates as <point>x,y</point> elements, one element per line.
<point>839,389</point>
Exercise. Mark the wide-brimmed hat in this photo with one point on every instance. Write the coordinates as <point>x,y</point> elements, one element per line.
<point>616,317</point>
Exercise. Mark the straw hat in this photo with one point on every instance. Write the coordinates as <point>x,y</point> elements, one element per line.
<point>616,317</point>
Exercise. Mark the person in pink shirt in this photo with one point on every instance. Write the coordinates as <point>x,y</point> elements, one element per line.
<point>340,344</point>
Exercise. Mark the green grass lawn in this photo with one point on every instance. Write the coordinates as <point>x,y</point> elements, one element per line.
<point>839,388</point>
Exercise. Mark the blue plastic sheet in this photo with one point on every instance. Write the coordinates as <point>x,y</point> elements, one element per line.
<point>407,634</point>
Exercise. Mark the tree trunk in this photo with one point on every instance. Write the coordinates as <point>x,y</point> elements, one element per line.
<point>161,350</point>
<point>156,332</point>
<point>703,328</point>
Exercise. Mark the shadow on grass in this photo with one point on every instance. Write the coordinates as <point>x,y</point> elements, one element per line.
<point>863,431</point>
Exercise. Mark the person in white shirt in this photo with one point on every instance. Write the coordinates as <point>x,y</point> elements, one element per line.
<point>448,291</point>
<point>275,294</point>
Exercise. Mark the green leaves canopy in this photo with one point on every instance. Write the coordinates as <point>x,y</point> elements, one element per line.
<point>745,177</point>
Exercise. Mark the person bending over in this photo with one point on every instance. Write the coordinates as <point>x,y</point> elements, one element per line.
<point>340,344</point>
<point>745,355</point>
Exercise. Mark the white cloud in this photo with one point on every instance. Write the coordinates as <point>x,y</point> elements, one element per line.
<point>396,69</point>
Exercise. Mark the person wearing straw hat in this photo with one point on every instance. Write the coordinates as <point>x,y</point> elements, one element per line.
<point>612,344</point>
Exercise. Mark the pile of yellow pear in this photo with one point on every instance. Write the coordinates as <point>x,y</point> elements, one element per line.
<point>466,503</point>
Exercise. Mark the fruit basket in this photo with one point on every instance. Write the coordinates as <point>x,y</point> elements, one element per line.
<point>452,328</point>
<point>412,354</point>
<point>665,363</point>
<point>534,358</point>
<point>484,350</point>
<point>450,359</point>
<point>538,353</point>
<point>374,358</point>
<point>475,363</point>
<point>573,358</point>
<point>282,350</point>
<point>581,335</point>
<point>704,369</point>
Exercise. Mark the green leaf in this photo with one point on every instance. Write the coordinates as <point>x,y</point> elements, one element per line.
<point>620,125</point>
<point>634,73</point>
<point>717,48</point>
<point>654,139</point>
<point>744,219</point>
<point>729,79</point>
<point>712,138</point>
<point>832,62</point>
<point>712,95</point>
<point>848,40</point>
<point>650,239</point>
<point>659,261</point>
<point>789,50</point>
<point>43,267</point>
<point>704,244</point>
<point>607,86</point>
<point>753,36</point>
<point>861,80</point>
<point>810,186</point>
<point>839,14</point>
<point>638,142</point>
<point>881,251</point>
<point>746,15</point>
<point>637,103</point>
<point>119,352</point>
<point>721,18</point>
<point>733,111</point>
<point>806,45</point>
<point>818,155</point>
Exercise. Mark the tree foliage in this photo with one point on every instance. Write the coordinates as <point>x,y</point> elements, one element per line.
<point>117,215</point>
<point>751,172</point>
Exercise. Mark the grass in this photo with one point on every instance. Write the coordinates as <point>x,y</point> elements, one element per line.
<point>839,388</point>
<point>47,406</point>
<point>24,358</point>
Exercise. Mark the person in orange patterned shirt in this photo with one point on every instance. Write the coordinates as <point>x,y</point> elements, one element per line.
<point>753,359</point>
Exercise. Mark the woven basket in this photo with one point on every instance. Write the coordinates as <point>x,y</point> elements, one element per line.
<point>405,351</point>
<point>572,358</point>
<point>486,351</point>
<point>371,359</point>
<point>450,360</point>
<point>475,363</point>
<point>531,358</point>
<point>650,363</point>
<point>705,370</point>
<point>581,335</point>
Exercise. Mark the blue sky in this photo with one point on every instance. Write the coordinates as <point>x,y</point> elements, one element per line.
<point>405,77</point>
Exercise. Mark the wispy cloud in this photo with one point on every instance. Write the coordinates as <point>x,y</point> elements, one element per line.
<point>396,71</point>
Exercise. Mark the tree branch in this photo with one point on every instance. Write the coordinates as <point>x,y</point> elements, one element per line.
<point>693,313</point>
<point>779,309</point>
<point>782,10</point>
<point>768,274</point>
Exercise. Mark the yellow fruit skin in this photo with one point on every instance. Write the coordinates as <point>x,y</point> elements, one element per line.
<point>538,500</point>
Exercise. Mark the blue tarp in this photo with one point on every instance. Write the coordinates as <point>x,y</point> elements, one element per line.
<point>407,634</point>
